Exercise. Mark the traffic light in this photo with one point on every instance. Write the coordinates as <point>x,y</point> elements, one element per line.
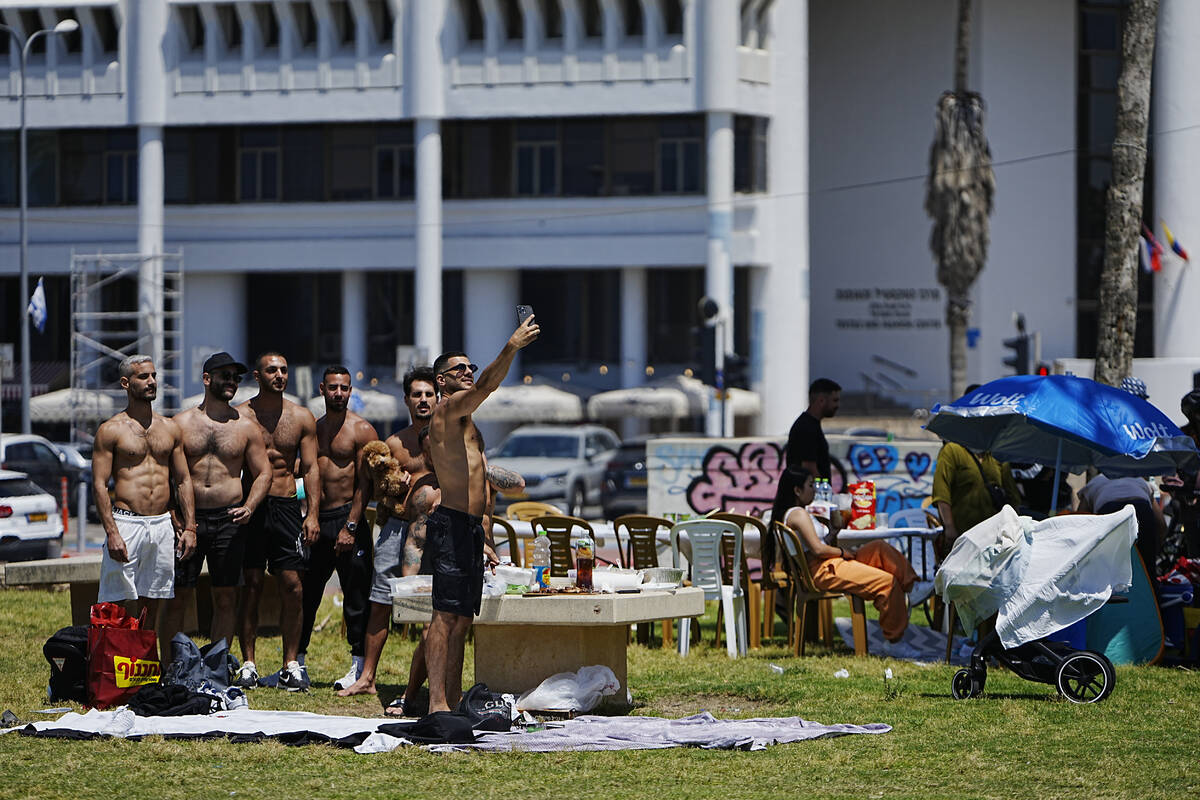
<point>1019,360</point>
<point>737,371</point>
<point>704,353</point>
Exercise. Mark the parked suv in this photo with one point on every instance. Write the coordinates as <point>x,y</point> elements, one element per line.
<point>30,525</point>
<point>42,463</point>
<point>560,463</point>
<point>625,480</point>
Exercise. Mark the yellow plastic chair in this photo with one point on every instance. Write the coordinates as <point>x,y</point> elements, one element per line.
<point>514,549</point>
<point>527,510</point>
<point>754,589</point>
<point>641,552</point>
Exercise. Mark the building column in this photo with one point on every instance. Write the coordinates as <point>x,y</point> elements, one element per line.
<point>490,298</point>
<point>147,108</point>
<point>633,327</point>
<point>426,104</point>
<point>1176,174</point>
<point>354,321</point>
<point>784,292</point>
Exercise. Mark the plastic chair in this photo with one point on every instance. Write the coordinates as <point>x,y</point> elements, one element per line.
<point>754,591</point>
<point>558,529</point>
<point>705,538</point>
<point>806,593</point>
<point>514,550</point>
<point>641,552</point>
<point>527,510</point>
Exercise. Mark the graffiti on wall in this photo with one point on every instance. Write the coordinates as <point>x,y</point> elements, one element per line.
<point>695,476</point>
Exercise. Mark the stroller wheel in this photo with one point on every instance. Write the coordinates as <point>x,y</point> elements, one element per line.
<point>1086,677</point>
<point>967,684</point>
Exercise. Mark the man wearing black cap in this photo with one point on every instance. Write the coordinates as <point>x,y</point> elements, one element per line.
<point>220,443</point>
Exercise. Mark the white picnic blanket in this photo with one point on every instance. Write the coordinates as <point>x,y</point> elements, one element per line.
<point>581,733</point>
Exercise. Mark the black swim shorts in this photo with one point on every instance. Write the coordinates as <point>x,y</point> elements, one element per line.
<point>223,542</point>
<point>454,548</point>
<point>275,536</point>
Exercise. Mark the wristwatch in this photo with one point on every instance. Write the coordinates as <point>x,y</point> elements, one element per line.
<point>352,526</point>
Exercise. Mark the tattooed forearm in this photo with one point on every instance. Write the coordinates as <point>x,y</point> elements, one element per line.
<point>504,479</point>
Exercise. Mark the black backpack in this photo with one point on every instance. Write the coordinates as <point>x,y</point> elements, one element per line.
<point>487,710</point>
<point>66,651</point>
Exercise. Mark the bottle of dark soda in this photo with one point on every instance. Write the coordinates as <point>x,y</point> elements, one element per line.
<point>585,560</point>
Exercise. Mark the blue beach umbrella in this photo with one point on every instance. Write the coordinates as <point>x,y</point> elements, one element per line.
<point>1072,423</point>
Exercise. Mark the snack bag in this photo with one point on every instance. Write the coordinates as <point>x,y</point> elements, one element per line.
<point>862,505</point>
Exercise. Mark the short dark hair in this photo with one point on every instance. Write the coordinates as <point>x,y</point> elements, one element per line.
<point>421,373</point>
<point>267,354</point>
<point>971,388</point>
<point>440,363</point>
<point>334,369</point>
<point>823,386</point>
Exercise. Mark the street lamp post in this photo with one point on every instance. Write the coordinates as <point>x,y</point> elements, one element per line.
<point>63,26</point>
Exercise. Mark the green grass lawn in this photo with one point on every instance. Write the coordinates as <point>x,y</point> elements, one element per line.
<point>1019,740</point>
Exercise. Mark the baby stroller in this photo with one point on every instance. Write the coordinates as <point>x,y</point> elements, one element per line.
<point>1017,580</point>
<point>1081,676</point>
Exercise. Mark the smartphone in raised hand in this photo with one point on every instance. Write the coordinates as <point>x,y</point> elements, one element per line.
<point>524,312</point>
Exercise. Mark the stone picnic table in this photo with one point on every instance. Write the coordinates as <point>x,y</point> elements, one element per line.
<point>521,641</point>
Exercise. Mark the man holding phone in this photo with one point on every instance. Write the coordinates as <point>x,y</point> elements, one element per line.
<point>456,542</point>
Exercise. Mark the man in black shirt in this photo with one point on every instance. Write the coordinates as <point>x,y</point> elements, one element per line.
<point>806,445</point>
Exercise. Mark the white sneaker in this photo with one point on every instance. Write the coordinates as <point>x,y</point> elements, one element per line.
<point>903,650</point>
<point>247,676</point>
<point>352,675</point>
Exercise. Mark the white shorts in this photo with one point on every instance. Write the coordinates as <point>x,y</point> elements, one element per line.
<point>150,570</point>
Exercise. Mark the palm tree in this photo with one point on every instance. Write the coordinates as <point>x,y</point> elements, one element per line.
<point>1119,279</point>
<point>958,197</point>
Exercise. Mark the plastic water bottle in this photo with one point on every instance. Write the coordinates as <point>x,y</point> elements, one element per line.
<point>541,562</point>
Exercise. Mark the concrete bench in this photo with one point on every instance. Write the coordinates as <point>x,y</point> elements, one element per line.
<point>521,641</point>
<point>82,574</point>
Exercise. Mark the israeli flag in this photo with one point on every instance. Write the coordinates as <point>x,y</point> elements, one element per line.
<point>37,307</point>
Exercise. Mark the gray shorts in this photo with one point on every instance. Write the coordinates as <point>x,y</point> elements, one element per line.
<point>389,556</point>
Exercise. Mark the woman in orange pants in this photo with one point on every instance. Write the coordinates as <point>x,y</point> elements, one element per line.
<point>876,571</point>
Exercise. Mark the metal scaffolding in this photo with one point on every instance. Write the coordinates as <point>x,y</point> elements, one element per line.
<point>108,324</point>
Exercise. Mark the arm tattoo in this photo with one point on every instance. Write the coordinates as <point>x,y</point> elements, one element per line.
<point>503,478</point>
<point>414,547</point>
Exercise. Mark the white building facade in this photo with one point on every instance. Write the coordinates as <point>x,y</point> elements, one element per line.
<point>345,177</point>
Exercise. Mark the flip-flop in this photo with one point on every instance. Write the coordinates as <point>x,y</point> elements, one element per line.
<point>396,708</point>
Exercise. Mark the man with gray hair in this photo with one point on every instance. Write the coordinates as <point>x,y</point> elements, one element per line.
<point>141,451</point>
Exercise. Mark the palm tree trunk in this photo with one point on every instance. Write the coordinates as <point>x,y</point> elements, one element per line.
<point>957,314</point>
<point>1118,281</point>
<point>962,47</point>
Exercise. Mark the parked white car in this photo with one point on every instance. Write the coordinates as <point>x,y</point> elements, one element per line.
<point>560,463</point>
<point>30,524</point>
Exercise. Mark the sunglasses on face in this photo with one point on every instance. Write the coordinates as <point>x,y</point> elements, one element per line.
<point>458,370</point>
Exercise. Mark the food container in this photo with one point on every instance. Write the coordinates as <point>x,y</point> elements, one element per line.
<point>557,582</point>
<point>517,580</point>
<point>610,580</point>
<point>411,585</point>
<point>663,576</point>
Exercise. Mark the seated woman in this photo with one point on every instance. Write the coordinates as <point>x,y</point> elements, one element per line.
<point>876,571</point>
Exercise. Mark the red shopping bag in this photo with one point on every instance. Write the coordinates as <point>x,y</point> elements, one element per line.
<point>122,657</point>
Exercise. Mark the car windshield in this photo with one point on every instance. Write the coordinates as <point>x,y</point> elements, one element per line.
<point>18,487</point>
<point>540,446</point>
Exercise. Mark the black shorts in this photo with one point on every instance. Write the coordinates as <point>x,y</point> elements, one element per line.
<point>223,542</point>
<point>275,536</point>
<point>454,549</point>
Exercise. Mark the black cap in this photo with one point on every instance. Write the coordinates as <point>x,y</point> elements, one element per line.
<point>223,359</point>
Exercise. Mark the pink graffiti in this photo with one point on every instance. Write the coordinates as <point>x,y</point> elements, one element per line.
<point>742,482</point>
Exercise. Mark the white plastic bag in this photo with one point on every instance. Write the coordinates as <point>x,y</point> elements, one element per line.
<point>571,691</point>
<point>493,585</point>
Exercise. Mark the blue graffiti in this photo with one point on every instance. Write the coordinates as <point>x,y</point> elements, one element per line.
<point>867,460</point>
<point>917,465</point>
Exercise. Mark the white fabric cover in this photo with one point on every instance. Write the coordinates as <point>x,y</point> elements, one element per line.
<point>1037,577</point>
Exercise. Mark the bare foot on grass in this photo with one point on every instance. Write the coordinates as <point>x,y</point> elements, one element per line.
<point>360,686</point>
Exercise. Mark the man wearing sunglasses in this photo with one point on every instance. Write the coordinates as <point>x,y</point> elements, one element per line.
<point>220,443</point>
<point>455,541</point>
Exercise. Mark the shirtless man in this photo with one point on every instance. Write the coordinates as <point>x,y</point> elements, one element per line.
<point>423,500</point>
<point>456,542</point>
<point>220,443</point>
<point>420,396</point>
<point>344,544</point>
<point>142,451</point>
<point>277,535</point>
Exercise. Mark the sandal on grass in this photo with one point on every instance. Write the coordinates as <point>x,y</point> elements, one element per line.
<point>396,708</point>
